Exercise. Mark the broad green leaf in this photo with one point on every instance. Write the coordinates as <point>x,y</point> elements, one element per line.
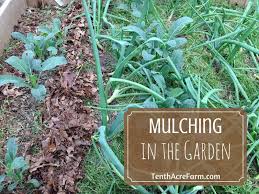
<point>34,182</point>
<point>11,79</point>
<point>11,150</point>
<point>53,62</point>
<point>123,6</point>
<point>56,24</point>
<point>12,186</point>
<point>51,35</point>
<point>44,29</point>
<point>136,29</point>
<point>135,11</point>
<point>18,163</point>
<point>2,178</point>
<point>19,36</point>
<point>169,103</point>
<point>39,92</point>
<point>36,65</point>
<point>118,123</point>
<point>178,25</point>
<point>177,42</point>
<point>28,56</point>
<point>188,103</point>
<point>18,64</point>
<point>52,50</point>
<point>146,56</point>
<point>29,46</point>
<point>149,103</point>
<point>175,92</point>
<point>155,88</point>
<point>160,81</point>
<point>178,59</point>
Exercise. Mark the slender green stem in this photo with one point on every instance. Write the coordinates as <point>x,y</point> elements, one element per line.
<point>138,86</point>
<point>103,103</point>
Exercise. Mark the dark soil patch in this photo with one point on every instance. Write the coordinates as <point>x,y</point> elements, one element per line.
<point>64,125</point>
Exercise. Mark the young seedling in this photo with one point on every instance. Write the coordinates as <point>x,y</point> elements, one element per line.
<point>32,69</point>
<point>15,167</point>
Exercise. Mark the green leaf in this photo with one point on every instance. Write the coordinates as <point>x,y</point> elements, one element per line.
<point>52,50</point>
<point>122,6</point>
<point>175,92</point>
<point>11,79</point>
<point>12,186</point>
<point>178,59</point>
<point>56,24</point>
<point>11,150</point>
<point>160,80</point>
<point>169,103</point>
<point>44,29</point>
<point>135,11</point>
<point>34,182</point>
<point>19,36</point>
<point>177,42</point>
<point>136,29</point>
<point>39,92</point>
<point>36,65</point>
<point>149,104</point>
<point>188,103</point>
<point>18,64</point>
<point>118,123</point>
<point>1,187</point>
<point>53,62</point>
<point>146,56</point>
<point>2,178</point>
<point>19,163</point>
<point>178,25</point>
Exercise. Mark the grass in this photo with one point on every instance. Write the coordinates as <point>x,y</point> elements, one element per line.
<point>237,76</point>
<point>94,167</point>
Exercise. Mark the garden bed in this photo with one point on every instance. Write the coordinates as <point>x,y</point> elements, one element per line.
<point>10,12</point>
<point>53,135</point>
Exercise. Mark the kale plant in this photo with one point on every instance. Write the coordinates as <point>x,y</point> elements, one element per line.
<point>15,167</point>
<point>32,68</point>
<point>46,43</point>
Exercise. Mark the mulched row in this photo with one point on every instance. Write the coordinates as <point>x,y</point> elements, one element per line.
<point>67,124</point>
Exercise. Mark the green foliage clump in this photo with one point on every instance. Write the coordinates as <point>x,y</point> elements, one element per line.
<point>40,56</point>
<point>15,167</point>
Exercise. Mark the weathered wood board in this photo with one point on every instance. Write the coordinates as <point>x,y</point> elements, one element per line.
<point>10,11</point>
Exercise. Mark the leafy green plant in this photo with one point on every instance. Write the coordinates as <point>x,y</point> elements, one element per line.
<point>148,73</point>
<point>32,68</point>
<point>15,167</point>
<point>46,43</point>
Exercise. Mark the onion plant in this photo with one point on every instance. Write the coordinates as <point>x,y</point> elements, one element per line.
<point>149,70</point>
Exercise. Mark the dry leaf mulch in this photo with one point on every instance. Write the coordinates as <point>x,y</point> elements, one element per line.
<point>67,124</point>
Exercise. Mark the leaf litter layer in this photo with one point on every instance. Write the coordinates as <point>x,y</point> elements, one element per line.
<point>54,135</point>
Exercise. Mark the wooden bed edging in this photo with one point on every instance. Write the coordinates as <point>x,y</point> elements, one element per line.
<point>10,12</point>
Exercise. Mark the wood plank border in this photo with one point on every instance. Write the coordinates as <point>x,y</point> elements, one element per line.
<point>10,12</point>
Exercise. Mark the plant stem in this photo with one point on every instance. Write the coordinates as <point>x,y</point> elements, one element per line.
<point>102,96</point>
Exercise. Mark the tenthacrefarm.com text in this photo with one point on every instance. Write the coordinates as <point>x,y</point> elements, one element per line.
<point>186,176</point>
